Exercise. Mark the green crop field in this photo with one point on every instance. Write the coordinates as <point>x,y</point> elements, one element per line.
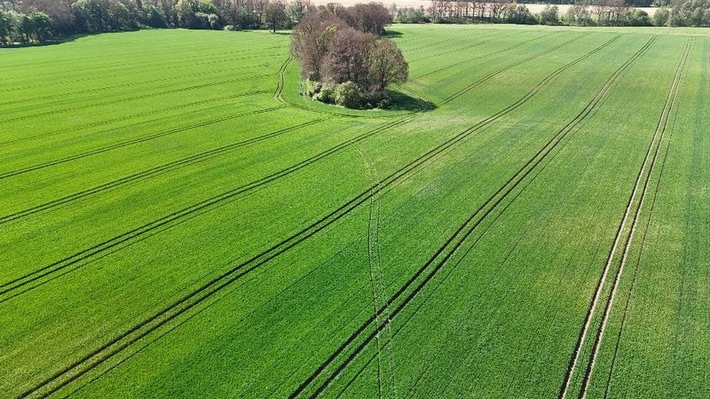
<point>532,221</point>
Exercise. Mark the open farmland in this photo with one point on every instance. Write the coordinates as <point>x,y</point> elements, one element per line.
<point>176,221</point>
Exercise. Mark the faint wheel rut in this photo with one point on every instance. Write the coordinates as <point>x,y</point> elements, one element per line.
<point>385,358</point>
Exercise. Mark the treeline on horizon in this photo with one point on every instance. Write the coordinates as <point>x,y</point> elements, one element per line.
<point>38,21</point>
<point>687,13</point>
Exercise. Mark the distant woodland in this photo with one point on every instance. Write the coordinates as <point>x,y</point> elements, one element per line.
<point>24,22</point>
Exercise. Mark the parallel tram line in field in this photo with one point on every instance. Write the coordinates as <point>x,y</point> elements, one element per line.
<point>191,160</point>
<point>77,260</point>
<point>514,46</point>
<point>417,282</point>
<point>498,71</point>
<point>385,360</point>
<point>152,325</point>
<point>137,115</point>
<point>454,39</point>
<point>48,273</point>
<point>132,98</point>
<point>125,340</point>
<point>122,66</point>
<point>624,233</point>
<point>64,95</point>
<point>634,277</point>
<point>138,140</point>
<point>660,132</point>
<point>472,45</point>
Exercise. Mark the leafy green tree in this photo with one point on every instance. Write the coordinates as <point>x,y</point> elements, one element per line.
<point>549,16</point>
<point>186,11</point>
<point>662,16</point>
<point>343,64</point>
<point>296,10</point>
<point>275,13</point>
<point>41,25</point>
<point>155,17</point>
<point>520,14</point>
<point>6,27</point>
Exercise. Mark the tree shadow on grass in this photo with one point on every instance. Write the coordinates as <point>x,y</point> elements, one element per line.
<point>405,102</point>
<point>392,34</point>
<point>48,42</point>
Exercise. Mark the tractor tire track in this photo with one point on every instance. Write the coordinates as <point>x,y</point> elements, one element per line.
<point>137,140</point>
<point>622,234</point>
<point>659,132</point>
<point>115,346</point>
<point>64,95</point>
<point>476,44</point>
<point>45,274</point>
<point>385,362</point>
<point>104,122</point>
<point>446,251</point>
<point>514,46</point>
<point>122,66</point>
<point>520,62</point>
<point>132,98</point>
<point>281,82</point>
<point>45,271</point>
<point>191,160</point>
<point>487,38</point>
<point>635,275</point>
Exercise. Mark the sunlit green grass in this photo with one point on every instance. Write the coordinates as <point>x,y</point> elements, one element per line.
<point>138,167</point>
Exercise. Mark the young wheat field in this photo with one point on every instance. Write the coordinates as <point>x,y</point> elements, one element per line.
<point>533,221</point>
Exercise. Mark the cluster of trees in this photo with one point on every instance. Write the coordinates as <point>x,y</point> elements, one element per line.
<point>602,12</point>
<point>34,21</point>
<point>342,58</point>
<point>34,26</point>
<point>684,13</point>
<point>606,13</point>
<point>490,11</point>
<point>409,15</point>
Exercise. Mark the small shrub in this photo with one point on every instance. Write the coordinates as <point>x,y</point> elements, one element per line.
<point>325,94</point>
<point>349,95</point>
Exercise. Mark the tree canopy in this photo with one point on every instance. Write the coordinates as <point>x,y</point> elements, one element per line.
<point>33,21</point>
<point>342,58</point>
